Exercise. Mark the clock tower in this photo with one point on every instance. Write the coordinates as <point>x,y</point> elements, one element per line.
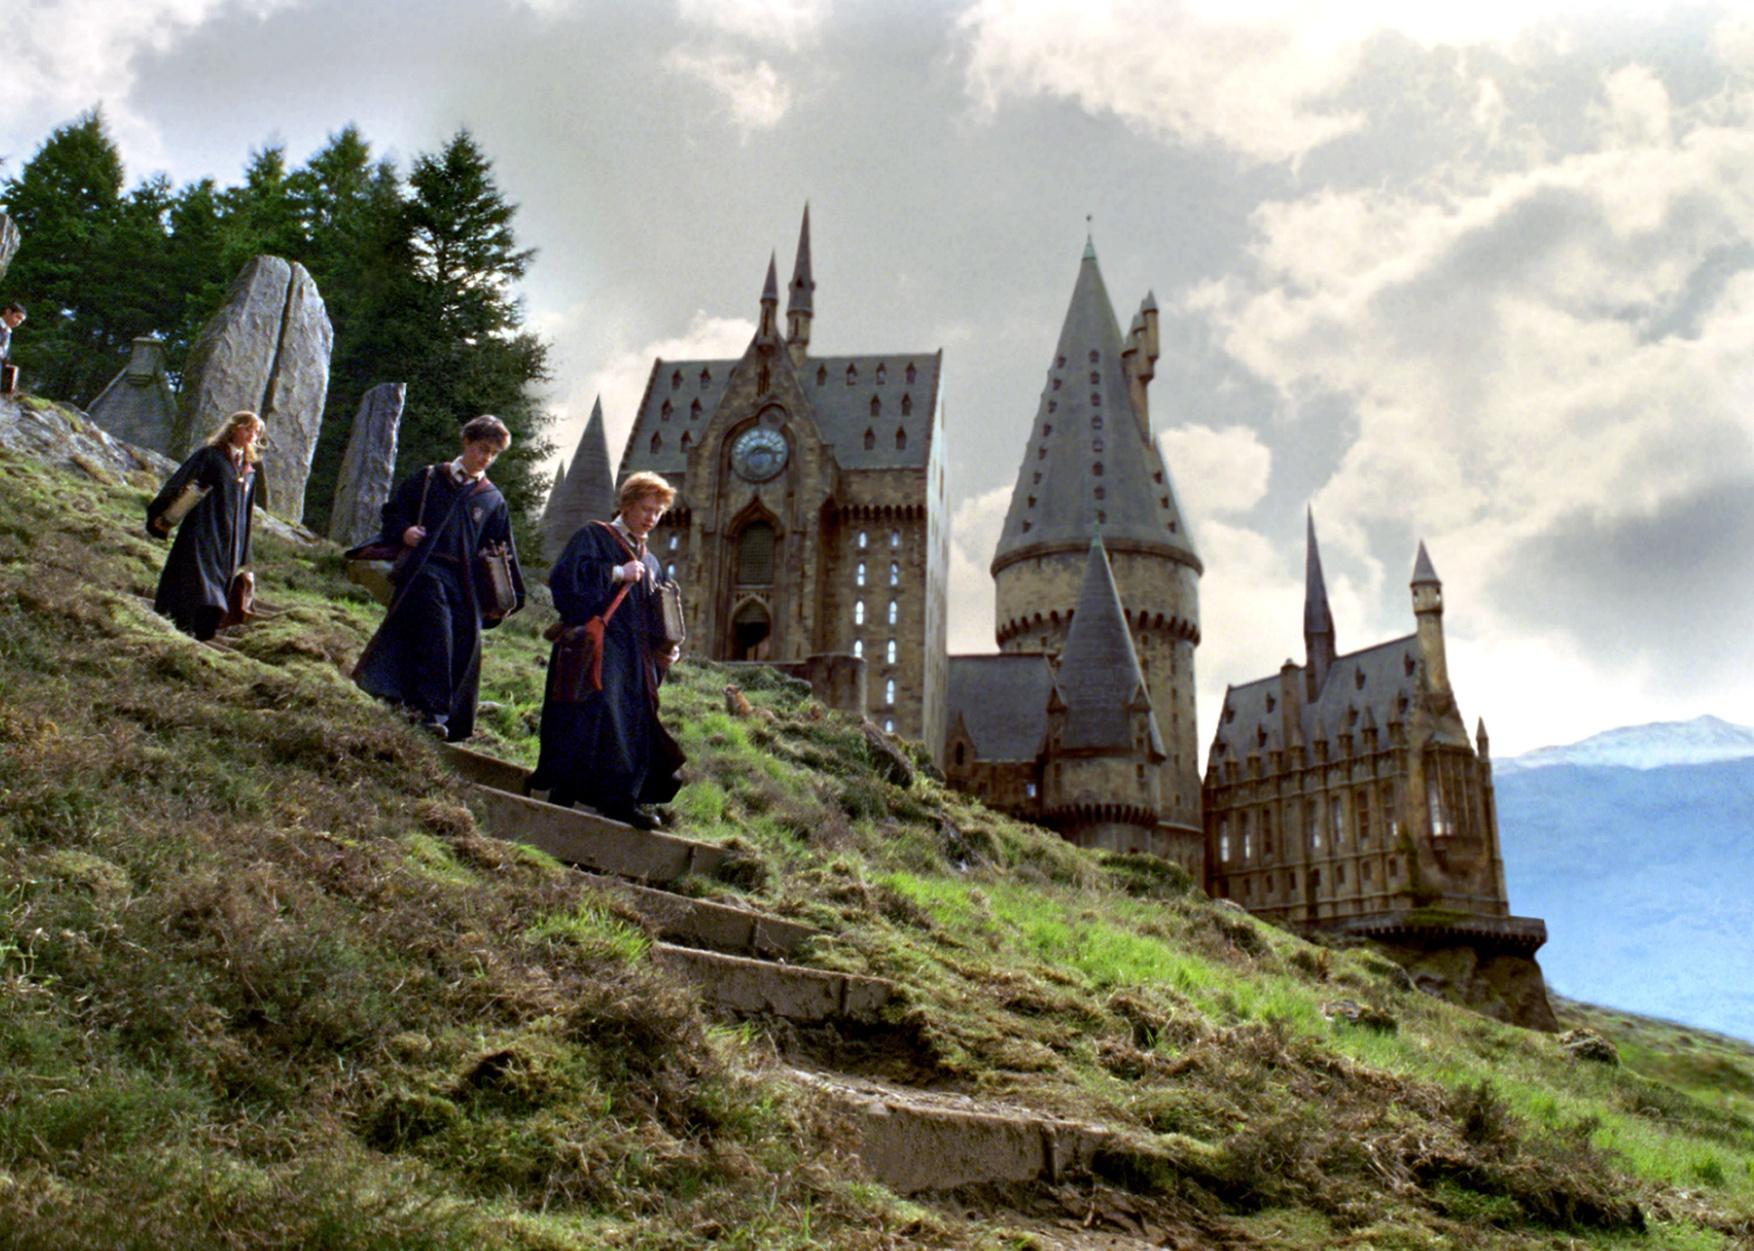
<point>809,529</point>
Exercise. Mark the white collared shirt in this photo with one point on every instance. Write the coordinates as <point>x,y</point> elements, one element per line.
<point>461,474</point>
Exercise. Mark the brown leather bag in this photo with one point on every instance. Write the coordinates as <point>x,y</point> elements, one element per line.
<point>499,594</point>
<point>578,660</point>
<point>240,599</point>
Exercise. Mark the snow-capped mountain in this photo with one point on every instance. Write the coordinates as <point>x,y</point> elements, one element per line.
<point>1699,741</point>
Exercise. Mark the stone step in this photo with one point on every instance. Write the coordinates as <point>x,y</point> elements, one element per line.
<point>592,842</point>
<point>749,987</point>
<point>917,1140</point>
<point>709,923</point>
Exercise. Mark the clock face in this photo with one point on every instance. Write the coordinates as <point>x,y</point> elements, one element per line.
<point>759,454</point>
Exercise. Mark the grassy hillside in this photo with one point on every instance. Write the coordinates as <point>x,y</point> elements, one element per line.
<point>265,983</point>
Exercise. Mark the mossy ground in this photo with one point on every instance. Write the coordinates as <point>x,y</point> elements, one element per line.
<point>263,982</point>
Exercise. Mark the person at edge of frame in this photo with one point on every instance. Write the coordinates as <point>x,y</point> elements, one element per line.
<point>213,539</point>
<point>11,318</point>
<point>611,751</point>
<point>426,656</point>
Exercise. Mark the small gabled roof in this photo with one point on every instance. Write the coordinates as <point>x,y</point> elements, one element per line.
<point>1099,677</point>
<point>1089,467</point>
<point>1002,700</point>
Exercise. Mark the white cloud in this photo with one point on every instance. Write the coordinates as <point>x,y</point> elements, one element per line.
<point>622,380</point>
<point>789,24</point>
<point>757,97</point>
<point>64,56</point>
<point>974,535</point>
<point>1217,472</point>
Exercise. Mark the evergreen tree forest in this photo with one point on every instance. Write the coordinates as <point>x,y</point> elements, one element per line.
<point>416,268</point>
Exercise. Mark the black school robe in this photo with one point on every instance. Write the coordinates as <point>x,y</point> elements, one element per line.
<point>610,751</point>
<point>212,543</point>
<point>427,653</point>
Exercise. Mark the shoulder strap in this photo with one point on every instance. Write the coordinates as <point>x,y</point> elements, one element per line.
<point>616,534</point>
<point>420,517</point>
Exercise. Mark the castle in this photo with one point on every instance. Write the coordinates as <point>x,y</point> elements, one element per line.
<point>810,532</point>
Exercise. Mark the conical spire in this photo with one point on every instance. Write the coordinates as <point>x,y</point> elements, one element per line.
<point>1424,572</point>
<point>1089,466</point>
<point>1099,677</point>
<point>553,495</point>
<point>770,290</point>
<point>1319,645</point>
<point>587,493</point>
<point>800,296</point>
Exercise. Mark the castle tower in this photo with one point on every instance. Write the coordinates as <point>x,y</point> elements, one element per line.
<point>1102,784</point>
<point>801,298</point>
<point>1428,611</point>
<point>1318,621</point>
<point>1091,468</point>
<point>586,493</point>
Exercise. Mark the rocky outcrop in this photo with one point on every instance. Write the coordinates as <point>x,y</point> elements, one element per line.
<point>267,350</point>
<point>8,243</point>
<point>139,405</point>
<point>369,465</point>
<point>1504,986</point>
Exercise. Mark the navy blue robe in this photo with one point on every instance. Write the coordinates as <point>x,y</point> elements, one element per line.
<point>212,543</point>
<point>610,751</point>
<point>426,656</point>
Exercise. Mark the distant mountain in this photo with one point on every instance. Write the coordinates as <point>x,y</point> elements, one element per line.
<point>1699,741</point>
<point>1644,870</point>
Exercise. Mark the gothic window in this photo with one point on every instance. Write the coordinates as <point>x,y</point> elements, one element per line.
<point>889,693</point>
<point>864,538</point>
<point>1391,820</point>
<point>1311,814</point>
<point>1095,378</point>
<point>1364,870</point>
<point>665,410</point>
<point>889,725</point>
<point>706,376</point>
<point>894,574</point>
<point>1224,839</point>
<point>891,612</point>
<point>687,439</point>
<point>907,406</point>
<point>1029,789</point>
<point>859,574</point>
<point>900,439</point>
<point>1056,383</point>
<point>852,374</point>
<point>675,379</point>
<point>1315,879</point>
<point>1361,809</point>
<point>961,754</point>
<point>1097,469</point>
<point>1437,809</point>
<point>1266,832</point>
<point>821,375</point>
<point>859,648</point>
<point>1095,356</point>
<point>1046,430</point>
<point>694,411</point>
<point>1041,453</point>
<point>858,612</point>
<point>657,441</point>
<point>1339,875</point>
<point>1394,867</point>
<point>1096,399</point>
<point>1336,820</point>
<point>910,374</point>
<point>674,540</point>
<point>870,438</point>
<point>755,555</point>
<point>882,375</point>
<point>895,538</point>
<point>876,406</point>
<point>889,653</point>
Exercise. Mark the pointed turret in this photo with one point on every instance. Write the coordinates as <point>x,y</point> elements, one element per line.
<point>553,496</point>
<point>1482,744</point>
<point>770,302</point>
<point>587,492</point>
<point>800,297</point>
<point>1099,678</point>
<point>1090,465</point>
<point>1428,612</point>
<point>1319,646</point>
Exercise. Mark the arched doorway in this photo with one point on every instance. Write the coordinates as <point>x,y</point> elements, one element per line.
<point>751,632</point>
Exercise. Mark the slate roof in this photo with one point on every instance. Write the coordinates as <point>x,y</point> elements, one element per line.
<point>1003,701</point>
<point>840,408</point>
<point>1099,678</point>
<point>1087,439</point>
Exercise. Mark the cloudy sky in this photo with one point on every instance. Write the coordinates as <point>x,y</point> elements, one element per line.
<point>1483,276</point>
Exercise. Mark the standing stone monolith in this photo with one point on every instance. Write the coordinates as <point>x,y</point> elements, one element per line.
<point>588,492</point>
<point>139,406</point>
<point>266,350</point>
<point>8,243</point>
<point>368,466</point>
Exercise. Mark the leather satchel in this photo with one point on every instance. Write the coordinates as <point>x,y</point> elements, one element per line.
<point>672,622</point>
<point>499,594</point>
<point>578,655</point>
<point>240,599</point>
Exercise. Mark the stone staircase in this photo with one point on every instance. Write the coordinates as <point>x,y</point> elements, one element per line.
<point>748,964</point>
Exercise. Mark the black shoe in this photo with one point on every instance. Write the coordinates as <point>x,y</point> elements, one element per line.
<point>638,818</point>
<point>437,729</point>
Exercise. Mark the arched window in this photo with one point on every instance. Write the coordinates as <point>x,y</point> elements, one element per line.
<point>891,612</point>
<point>1095,378</point>
<point>694,410</point>
<point>870,438</point>
<point>900,438</point>
<point>665,410</point>
<point>882,374</point>
<point>910,375</point>
<point>852,374</point>
<point>1337,820</point>
<point>755,554</point>
<point>675,379</point>
<point>859,648</point>
<point>670,572</point>
<point>674,540</point>
<point>961,753</point>
<point>859,574</point>
<point>863,539</point>
<point>821,375</point>
<point>889,725</point>
<point>1438,810</point>
<point>687,439</point>
<point>876,406</point>
<point>657,441</point>
<point>895,538</point>
<point>889,652</point>
<point>858,612</point>
<point>706,376</point>
<point>907,406</point>
<point>894,574</point>
<point>889,693</point>
<point>1361,811</point>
